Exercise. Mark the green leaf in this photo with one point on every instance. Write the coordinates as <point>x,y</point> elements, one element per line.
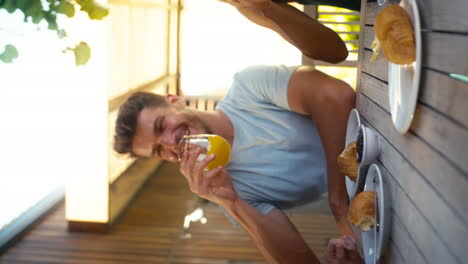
<point>22,4</point>
<point>37,18</point>
<point>31,8</point>
<point>61,33</point>
<point>82,53</point>
<point>51,20</point>
<point>64,7</point>
<point>94,9</point>
<point>9,5</point>
<point>9,54</point>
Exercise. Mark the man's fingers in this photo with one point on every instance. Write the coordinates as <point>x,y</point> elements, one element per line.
<point>183,167</point>
<point>200,167</point>
<point>331,250</point>
<point>336,249</point>
<point>349,243</point>
<point>202,164</point>
<point>213,172</point>
<point>352,247</point>
<point>340,251</point>
<point>331,246</point>
<point>188,162</point>
<point>192,159</point>
<point>208,177</point>
<point>343,250</point>
<point>184,159</point>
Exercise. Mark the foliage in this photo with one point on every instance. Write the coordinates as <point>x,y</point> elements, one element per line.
<point>9,54</point>
<point>82,53</point>
<point>36,11</point>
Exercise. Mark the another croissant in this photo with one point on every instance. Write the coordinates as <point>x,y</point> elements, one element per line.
<point>347,161</point>
<point>361,212</point>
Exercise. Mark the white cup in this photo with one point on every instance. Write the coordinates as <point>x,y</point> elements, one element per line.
<point>371,146</point>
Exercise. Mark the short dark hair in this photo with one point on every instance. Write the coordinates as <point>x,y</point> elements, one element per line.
<point>125,126</point>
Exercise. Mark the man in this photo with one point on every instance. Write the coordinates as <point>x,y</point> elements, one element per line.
<point>286,127</point>
<point>312,38</point>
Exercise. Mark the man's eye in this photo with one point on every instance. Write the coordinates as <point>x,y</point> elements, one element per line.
<point>158,126</point>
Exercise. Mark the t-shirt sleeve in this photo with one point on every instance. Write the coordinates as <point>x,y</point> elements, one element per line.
<point>266,83</point>
<point>264,208</point>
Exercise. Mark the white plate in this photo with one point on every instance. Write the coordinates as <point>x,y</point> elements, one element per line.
<point>354,123</point>
<point>403,80</point>
<point>375,240</point>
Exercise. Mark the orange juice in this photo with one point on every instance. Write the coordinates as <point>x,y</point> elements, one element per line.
<point>209,144</point>
<point>221,148</point>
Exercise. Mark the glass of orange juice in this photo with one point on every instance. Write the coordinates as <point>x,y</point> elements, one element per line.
<point>209,144</point>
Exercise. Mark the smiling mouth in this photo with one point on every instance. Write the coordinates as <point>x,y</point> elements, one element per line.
<point>185,133</point>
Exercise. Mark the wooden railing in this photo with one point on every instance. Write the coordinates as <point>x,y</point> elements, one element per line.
<point>204,103</point>
<point>350,37</point>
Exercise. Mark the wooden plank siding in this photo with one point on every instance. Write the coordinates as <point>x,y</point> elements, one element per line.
<point>426,169</point>
<point>151,231</point>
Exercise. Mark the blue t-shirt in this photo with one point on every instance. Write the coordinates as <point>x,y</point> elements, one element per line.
<point>277,158</point>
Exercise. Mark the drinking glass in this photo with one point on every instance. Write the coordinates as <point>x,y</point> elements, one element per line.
<point>209,144</point>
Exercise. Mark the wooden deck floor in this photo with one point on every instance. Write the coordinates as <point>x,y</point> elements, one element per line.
<point>151,231</point>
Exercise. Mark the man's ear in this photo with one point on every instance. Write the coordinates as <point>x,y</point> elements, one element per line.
<point>174,100</point>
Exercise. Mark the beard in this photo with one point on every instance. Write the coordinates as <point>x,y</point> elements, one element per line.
<point>194,121</point>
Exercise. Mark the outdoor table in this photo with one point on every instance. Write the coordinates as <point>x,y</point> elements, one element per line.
<point>425,168</point>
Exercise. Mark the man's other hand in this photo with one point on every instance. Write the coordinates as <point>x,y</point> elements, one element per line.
<point>343,250</point>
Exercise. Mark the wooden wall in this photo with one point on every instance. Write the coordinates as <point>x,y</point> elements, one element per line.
<point>426,168</point>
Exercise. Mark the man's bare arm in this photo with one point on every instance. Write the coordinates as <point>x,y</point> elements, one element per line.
<point>328,102</point>
<point>273,234</point>
<point>311,37</point>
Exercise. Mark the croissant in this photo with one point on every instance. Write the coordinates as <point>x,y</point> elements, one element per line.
<point>361,212</point>
<point>347,161</point>
<point>395,33</point>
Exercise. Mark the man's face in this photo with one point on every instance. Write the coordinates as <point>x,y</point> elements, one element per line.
<point>160,129</point>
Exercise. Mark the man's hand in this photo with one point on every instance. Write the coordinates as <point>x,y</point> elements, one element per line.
<point>343,250</point>
<point>214,185</point>
<point>273,234</point>
<point>255,4</point>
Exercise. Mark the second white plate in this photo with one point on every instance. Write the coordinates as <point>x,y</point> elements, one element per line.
<point>375,240</point>
<point>403,80</point>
